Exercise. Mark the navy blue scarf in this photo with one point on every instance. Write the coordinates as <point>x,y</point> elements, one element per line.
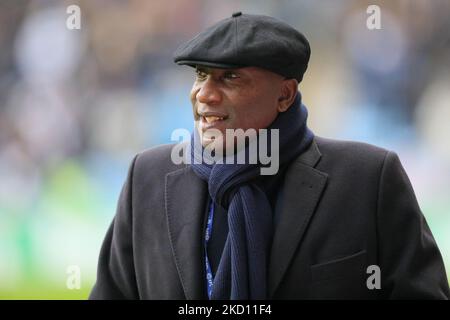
<point>242,271</point>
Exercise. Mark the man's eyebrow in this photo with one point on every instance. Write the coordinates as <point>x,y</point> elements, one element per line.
<point>208,70</point>
<point>233,70</point>
<point>202,69</point>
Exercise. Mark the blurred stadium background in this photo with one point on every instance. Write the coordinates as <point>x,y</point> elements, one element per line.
<point>76,105</point>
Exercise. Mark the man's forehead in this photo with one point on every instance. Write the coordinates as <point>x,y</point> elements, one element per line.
<point>209,69</point>
<point>250,71</point>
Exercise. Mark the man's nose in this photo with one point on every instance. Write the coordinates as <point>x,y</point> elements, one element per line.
<point>209,93</point>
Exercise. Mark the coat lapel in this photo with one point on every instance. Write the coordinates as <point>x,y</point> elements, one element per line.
<point>185,199</point>
<point>302,187</point>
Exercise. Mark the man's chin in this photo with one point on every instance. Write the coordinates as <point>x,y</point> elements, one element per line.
<point>212,138</point>
<point>215,140</point>
<point>212,143</point>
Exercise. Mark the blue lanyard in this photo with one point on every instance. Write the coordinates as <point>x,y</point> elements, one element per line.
<point>209,275</point>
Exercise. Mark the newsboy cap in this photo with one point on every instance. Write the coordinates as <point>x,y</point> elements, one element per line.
<point>246,40</point>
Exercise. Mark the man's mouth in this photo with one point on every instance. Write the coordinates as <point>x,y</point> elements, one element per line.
<point>212,120</point>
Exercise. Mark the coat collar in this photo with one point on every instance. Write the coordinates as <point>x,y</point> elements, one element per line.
<point>185,200</point>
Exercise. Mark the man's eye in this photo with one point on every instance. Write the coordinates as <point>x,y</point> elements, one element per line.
<point>230,75</point>
<point>201,74</point>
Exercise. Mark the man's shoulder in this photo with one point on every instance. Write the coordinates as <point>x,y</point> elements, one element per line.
<point>350,153</point>
<point>328,145</point>
<point>157,159</point>
<point>157,153</point>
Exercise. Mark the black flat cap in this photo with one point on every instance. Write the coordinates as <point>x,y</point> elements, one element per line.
<point>245,40</point>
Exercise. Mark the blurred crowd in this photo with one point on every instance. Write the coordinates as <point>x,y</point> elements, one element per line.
<point>76,105</point>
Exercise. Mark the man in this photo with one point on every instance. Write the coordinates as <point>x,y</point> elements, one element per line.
<point>337,220</point>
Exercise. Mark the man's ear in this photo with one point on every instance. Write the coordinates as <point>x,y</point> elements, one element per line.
<point>289,89</point>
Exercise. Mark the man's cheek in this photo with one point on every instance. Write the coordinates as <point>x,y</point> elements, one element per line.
<point>194,112</point>
<point>193,95</point>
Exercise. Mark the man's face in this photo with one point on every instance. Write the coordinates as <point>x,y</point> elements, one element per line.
<point>240,98</point>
